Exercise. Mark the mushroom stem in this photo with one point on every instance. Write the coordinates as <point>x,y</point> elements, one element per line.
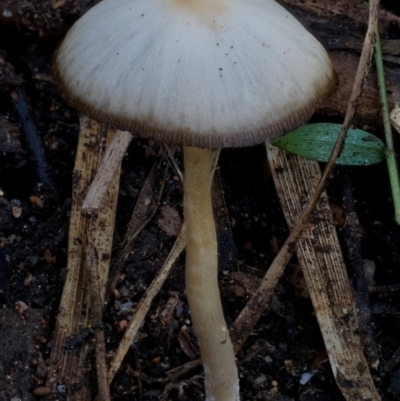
<point>221,375</point>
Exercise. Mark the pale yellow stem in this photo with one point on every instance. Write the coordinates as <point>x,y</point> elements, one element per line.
<point>221,376</point>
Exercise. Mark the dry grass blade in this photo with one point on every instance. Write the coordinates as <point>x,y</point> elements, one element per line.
<point>73,296</point>
<point>145,303</point>
<point>95,284</point>
<point>325,273</point>
<point>73,319</point>
<point>108,169</point>
<point>98,256</point>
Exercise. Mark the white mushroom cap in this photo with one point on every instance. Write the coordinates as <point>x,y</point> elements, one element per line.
<point>206,73</point>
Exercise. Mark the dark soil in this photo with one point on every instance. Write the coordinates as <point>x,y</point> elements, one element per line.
<point>34,213</point>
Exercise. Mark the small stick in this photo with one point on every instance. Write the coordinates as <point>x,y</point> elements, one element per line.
<point>173,162</point>
<point>145,303</point>
<point>393,362</point>
<point>259,302</point>
<point>32,136</point>
<point>385,290</point>
<point>107,171</point>
<point>182,370</point>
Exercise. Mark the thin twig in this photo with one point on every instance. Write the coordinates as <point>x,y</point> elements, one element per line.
<point>110,164</point>
<point>32,136</point>
<point>182,370</point>
<point>173,162</point>
<point>145,303</point>
<point>385,290</point>
<point>393,362</point>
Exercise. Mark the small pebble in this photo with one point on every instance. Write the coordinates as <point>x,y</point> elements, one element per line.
<point>7,14</point>
<point>117,305</point>
<point>16,208</point>
<point>305,378</point>
<point>122,325</point>
<point>124,291</point>
<point>127,306</point>
<point>62,390</point>
<point>261,379</point>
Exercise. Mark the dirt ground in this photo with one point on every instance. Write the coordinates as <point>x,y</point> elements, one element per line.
<point>284,358</point>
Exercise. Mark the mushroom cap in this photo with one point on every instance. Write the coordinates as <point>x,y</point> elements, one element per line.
<point>205,73</point>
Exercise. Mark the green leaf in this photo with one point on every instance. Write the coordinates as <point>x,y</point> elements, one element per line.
<point>316,141</point>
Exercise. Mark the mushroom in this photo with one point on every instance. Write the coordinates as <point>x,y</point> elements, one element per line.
<point>204,74</point>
